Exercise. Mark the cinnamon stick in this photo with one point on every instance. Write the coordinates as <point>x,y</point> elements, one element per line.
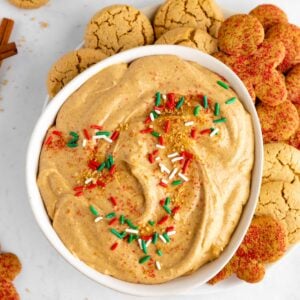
<point>6,28</point>
<point>7,51</point>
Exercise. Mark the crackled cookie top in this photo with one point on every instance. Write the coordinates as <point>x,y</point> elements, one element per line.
<point>28,3</point>
<point>203,14</point>
<point>117,28</point>
<point>143,160</point>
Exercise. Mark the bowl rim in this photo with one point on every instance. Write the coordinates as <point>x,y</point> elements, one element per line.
<point>183,283</point>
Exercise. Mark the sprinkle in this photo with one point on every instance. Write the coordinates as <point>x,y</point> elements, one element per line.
<point>164,97</point>
<point>89,180</point>
<point>151,223</point>
<point>214,132</point>
<point>158,108</point>
<point>170,228</point>
<point>155,152</point>
<point>205,131</point>
<point>101,183</point>
<point>98,219</point>
<point>165,235</point>
<point>171,100</point>
<point>157,111</point>
<point>146,130</point>
<point>163,184</point>
<point>115,135</point>
<point>161,140</point>
<point>197,110</point>
<point>173,154</point>
<point>102,137</point>
<point>180,103</point>
<point>205,102</point>
<point>72,145</point>
<point>162,238</point>
<point>116,233</point>
<point>134,231</point>
<point>167,201</point>
<point>94,211</point>
<point>163,220</point>
<point>107,139</point>
<point>217,109</point>
<point>164,181</point>
<point>159,252</point>
<point>148,242</point>
<point>221,120</point>
<point>157,158</point>
<point>113,200</point>
<point>169,233</point>
<point>157,264</point>
<point>193,133</point>
<point>98,127</point>
<point>129,223</point>
<point>163,168</point>
<point>182,176</point>
<point>152,117</point>
<point>122,219</point>
<point>56,132</point>
<point>151,158</point>
<point>84,143</point>
<point>177,182</point>
<point>101,167</point>
<point>78,188</point>
<point>111,160</point>
<point>172,175</point>
<point>144,259</point>
<point>160,146</point>
<point>167,126</point>
<point>155,237</point>
<point>91,186</point>
<point>112,169</point>
<point>74,134</point>
<point>144,248</point>
<point>92,164</point>
<point>231,100</point>
<point>177,159</point>
<point>157,99</point>
<point>175,210</point>
<point>78,194</point>
<point>146,237</point>
<point>49,140</point>
<point>131,238</point>
<point>110,215</point>
<point>167,209</point>
<point>86,134</point>
<point>112,221</point>
<point>105,133</point>
<point>147,120</point>
<point>140,243</point>
<point>223,84</point>
<point>187,154</point>
<point>156,134</point>
<point>114,246</point>
<point>190,123</point>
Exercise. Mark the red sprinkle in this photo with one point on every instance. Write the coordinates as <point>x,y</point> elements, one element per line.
<point>193,133</point>
<point>151,158</point>
<point>147,130</point>
<point>86,134</point>
<point>161,140</point>
<point>78,188</point>
<point>170,228</point>
<point>93,165</point>
<point>96,127</point>
<point>162,202</point>
<point>146,237</point>
<point>171,101</point>
<point>167,126</point>
<point>114,246</point>
<point>112,170</point>
<point>163,220</point>
<point>78,194</point>
<point>112,221</point>
<point>175,210</point>
<point>163,184</point>
<point>186,165</point>
<point>160,108</point>
<point>115,135</point>
<point>205,131</point>
<point>101,183</point>
<point>56,132</point>
<point>187,154</point>
<point>155,152</point>
<point>113,200</point>
<point>49,140</point>
<point>148,120</point>
<point>91,186</point>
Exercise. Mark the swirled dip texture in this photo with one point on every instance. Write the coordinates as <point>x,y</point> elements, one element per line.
<point>122,173</point>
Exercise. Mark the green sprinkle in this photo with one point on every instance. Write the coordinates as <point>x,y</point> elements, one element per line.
<point>72,145</point>
<point>110,215</point>
<point>165,235</point>
<point>167,201</point>
<point>144,259</point>
<point>197,110</point>
<point>107,164</point>
<point>111,160</point>
<point>131,238</point>
<point>217,109</point>
<point>129,223</point>
<point>122,219</point>
<point>144,247</point>
<point>106,133</point>
<point>155,114</point>
<point>156,134</point>
<point>223,84</point>
<point>157,99</point>
<point>159,252</point>
<point>74,134</point>
<point>151,223</point>
<point>94,211</point>
<point>231,100</point>
<point>101,167</point>
<point>222,120</point>
<point>155,237</point>
<point>116,233</point>
<point>177,182</point>
<point>180,102</point>
<point>205,102</point>
<point>167,209</point>
<point>123,234</point>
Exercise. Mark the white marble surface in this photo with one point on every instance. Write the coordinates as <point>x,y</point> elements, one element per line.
<point>22,90</point>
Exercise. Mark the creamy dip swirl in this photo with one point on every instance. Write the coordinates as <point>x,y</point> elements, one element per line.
<point>194,213</point>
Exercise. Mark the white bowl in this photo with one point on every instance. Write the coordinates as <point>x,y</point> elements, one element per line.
<point>182,284</point>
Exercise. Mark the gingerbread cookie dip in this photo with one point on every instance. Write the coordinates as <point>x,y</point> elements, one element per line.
<point>140,163</point>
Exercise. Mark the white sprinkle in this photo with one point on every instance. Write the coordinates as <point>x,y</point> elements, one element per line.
<point>171,232</point>
<point>102,137</point>
<point>89,180</point>
<point>164,181</point>
<point>98,219</point>
<point>162,238</point>
<point>157,264</point>
<point>84,143</point>
<point>190,123</point>
<point>129,230</point>
<point>140,243</point>
<point>163,168</point>
<point>152,117</point>
<point>157,111</point>
<point>164,96</point>
<point>177,158</point>
<point>157,158</point>
<point>214,132</point>
<point>182,176</point>
<point>160,146</point>
<point>172,175</point>
<point>148,242</point>
<point>173,154</point>
<point>150,126</point>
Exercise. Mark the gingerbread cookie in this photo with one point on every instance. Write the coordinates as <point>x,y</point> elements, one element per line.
<point>295,139</point>
<point>279,122</point>
<point>264,242</point>
<point>269,15</point>
<point>258,72</point>
<point>29,4</point>
<point>240,35</point>
<point>292,82</point>
<point>281,200</point>
<point>117,28</point>
<point>10,266</point>
<point>7,290</point>
<point>203,14</point>
<point>281,163</point>
<point>190,37</point>
<point>289,35</point>
<point>69,66</point>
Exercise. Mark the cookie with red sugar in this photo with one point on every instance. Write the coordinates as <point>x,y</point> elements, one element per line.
<point>269,15</point>
<point>289,35</point>
<point>7,290</point>
<point>295,139</point>
<point>240,35</point>
<point>292,82</point>
<point>10,266</point>
<point>279,122</point>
